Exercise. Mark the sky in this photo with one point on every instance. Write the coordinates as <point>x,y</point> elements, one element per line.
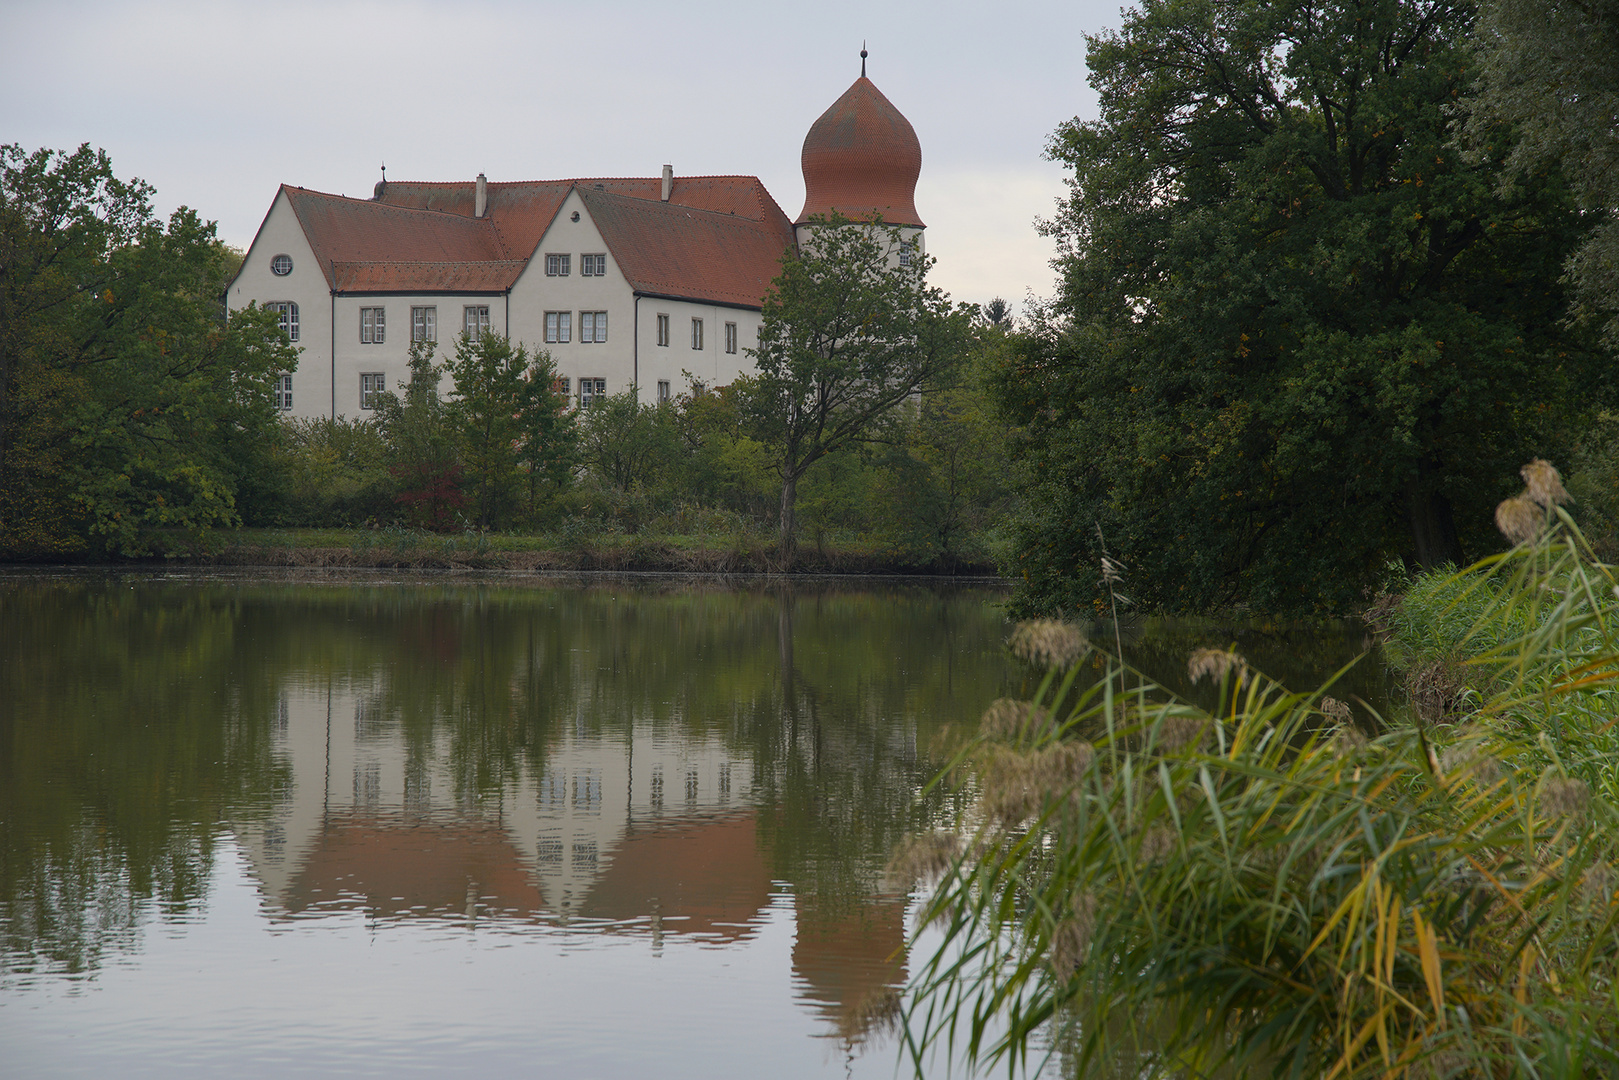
<point>216,104</point>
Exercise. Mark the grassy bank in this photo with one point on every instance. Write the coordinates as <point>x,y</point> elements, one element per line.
<point>395,547</point>
<point>1284,885</point>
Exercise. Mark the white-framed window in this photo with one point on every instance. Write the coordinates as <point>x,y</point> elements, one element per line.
<point>424,324</point>
<point>281,265</point>
<point>289,317</point>
<point>558,265</point>
<point>730,337</point>
<point>590,390</point>
<point>593,265</point>
<point>697,333</point>
<point>592,327</point>
<point>372,384</point>
<point>663,391</point>
<point>475,320</point>
<point>281,389</point>
<point>663,329</point>
<point>558,327</point>
<point>372,326</point>
<point>561,386</point>
<point>906,249</point>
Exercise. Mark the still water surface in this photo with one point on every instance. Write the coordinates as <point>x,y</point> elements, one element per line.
<point>494,826</point>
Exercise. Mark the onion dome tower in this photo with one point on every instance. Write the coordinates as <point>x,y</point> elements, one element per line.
<point>862,159</point>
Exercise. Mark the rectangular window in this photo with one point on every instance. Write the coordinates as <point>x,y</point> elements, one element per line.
<point>663,330</point>
<point>371,385</point>
<point>593,265</point>
<point>371,326</point>
<point>730,337</point>
<point>663,391</point>
<point>592,327</point>
<point>906,247</point>
<point>289,317</point>
<point>424,324</point>
<point>475,320</point>
<point>558,327</point>
<point>558,265</point>
<point>561,386</point>
<point>697,333</point>
<point>282,388</point>
<point>590,390</point>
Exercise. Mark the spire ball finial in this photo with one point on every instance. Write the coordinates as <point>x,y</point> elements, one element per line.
<point>862,59</point>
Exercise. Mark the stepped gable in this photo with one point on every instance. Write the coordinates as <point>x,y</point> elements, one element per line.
<point>862,159</point>
<point>666,249</point>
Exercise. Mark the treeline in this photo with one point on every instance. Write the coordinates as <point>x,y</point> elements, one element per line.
<point>505,453</point>
<point>130,405</point>
<point>1329,273</point>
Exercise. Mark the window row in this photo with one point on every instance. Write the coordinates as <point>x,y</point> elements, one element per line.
<point>373,384</point>
<point>423,323</point>
<point>696,333</point>
<point>558,265</point>
<point>559,327</point>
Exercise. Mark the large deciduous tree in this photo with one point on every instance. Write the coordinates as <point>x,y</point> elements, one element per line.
<point>1550,71</point>
<point>129,402</point>
<point>851,329</point>
<point>1296,334</point>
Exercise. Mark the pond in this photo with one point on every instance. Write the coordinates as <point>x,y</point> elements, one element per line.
<point>456,824</point>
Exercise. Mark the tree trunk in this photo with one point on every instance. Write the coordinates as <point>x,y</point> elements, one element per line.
<point>1432,526</point>
<point>789,521</point>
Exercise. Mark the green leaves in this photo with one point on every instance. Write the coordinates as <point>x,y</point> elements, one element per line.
<point>851,330</point>
<point>129,404</point>
<point>1297,335</point>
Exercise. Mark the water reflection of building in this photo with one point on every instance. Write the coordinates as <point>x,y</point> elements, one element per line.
<point>628,828</point>
<point>644,832</point>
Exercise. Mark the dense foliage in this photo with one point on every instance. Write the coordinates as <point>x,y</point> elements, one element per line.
<point>1154,889</point>
<point>851,331</point>
<point>1297,334</point>
<point>129,403</point>
<point>1548,72</point>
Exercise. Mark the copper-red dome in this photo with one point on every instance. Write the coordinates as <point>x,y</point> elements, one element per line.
<point>862,158</point>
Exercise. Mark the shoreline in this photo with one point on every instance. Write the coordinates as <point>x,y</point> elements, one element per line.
<point>459,552</point>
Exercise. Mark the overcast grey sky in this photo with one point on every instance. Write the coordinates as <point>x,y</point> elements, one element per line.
<point>215,104</point>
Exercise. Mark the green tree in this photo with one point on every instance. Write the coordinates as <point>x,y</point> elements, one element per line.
<point>129,403</point>
<point>507,419</point>
<point>851,330</point>
<point>626,444</point>
<point>1548,71</point>
<point>421,443</point>
<point>1296,334</point>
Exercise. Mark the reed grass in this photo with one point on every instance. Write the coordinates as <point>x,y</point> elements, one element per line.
<point>1150,889</point>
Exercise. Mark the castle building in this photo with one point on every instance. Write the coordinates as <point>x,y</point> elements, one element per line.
<point>625,281</point>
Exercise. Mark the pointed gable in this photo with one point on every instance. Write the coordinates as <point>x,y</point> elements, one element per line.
<point>717,239</point>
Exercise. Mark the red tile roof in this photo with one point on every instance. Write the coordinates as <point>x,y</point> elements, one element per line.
<point>370,277</point>
<point>718,238</point>
<point>670,250</point>
<point>861,159</point>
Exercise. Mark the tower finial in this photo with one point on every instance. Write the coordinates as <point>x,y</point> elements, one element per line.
<point>862,59</point>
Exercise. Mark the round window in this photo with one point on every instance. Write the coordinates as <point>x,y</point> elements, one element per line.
<point>281,265</point>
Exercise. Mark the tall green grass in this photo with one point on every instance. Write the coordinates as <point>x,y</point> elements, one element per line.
<point>1149,889</point>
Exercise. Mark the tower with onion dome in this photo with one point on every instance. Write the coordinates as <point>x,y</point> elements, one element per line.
<point>861,159</point>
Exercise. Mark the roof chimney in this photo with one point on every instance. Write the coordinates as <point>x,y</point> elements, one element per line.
<point>480,201</point>
<point>668,181</point>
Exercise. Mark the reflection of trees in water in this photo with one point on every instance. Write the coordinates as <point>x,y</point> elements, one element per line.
<point>132,717</point>
<point>140,715</point>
